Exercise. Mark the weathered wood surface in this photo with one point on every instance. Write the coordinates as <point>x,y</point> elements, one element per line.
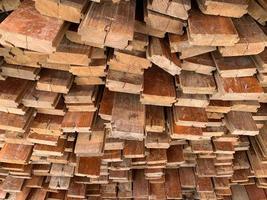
<point>153,93</point>
<point>27,28</point>
<point>108,24</point>
<point>70,10</point>
<point>224,7</point>
<point>252,38</point>
<point>128,117</point>
<point>160,54</point>
<point>210,30</point>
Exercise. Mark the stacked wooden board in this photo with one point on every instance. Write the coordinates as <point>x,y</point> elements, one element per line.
<point>138,99</point>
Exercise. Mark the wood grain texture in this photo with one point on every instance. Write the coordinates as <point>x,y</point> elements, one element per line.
<point>15,153</point>
<point>89,166</point>
<point>155,119</point>
<point>160,54</point>
<point>70,10</point>
<point>128,117</point>
<point>32,30</point>
<point>194,83</point>
<point>224,7</point>
<point>54,81</point>
<point>210,30</point>
<point>238,66</point>
<point>108,24</point>
<point>77,121</point>
<point>158,88</point>
<point>252,38</point>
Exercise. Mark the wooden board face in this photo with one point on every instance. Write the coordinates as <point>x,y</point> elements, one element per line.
<point>128,115</point>
<point>14,153</point>
<point>120,28</point>
<point>30,27</point>
<point>89,166</point>
<point>80,121</point>
<point>12,90</point>
<point>70,10</point>
<point>214,30</point>
<point>194,83</point>
<point>106,104</point>
<point>90,144</point>
<point>154,78</point>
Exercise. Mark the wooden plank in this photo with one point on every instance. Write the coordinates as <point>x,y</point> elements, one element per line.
<point>175,155</point>
<point>184,132</point>
<point>254,192</point>
<point>22,72</point>
<point>42,139</point>
<point>77,121</point>
<point>47,124</point>
<point>155,119</point>
<point>29,18</point>
<point>106,105</point>
<point>160,54</point>
<point>181,44</point>
<point>204,184</point>
<point>40,99</point>
<point>194,83</point>
<point>178,9</point>
<point>156,156</point>
<point>22,121</point>
<point>128,117</point>
<point>154,93</point>
<point>54,81</point>
<point>47,150</point>
<point>12,91</point>
<point>76,190</point>
<point>210,30</point>
<point>223,8</point>
<point>91,144</point>
<point>134,149</point>
<point>239,192</point>
<point>157,191</point>
<point>70,10</point>
<point>81,94</point>
<point>173,185</point>
<point>258,12</point>
<point>157,140</point>
<point>239,88</point>
<point>124,82</point>
<point>71,53</point>
<point>163,22</point>
<point>12,184</point>
<point>191,100</point>
<point>190,116</point>
<point>108,24</point>
<point>202,64</point>
<point>133,62</point>
<point>205,167</point>
<point>238,66</point>
<point>15,153</point>
<point>234,122</point>
<point>187,177</point>
<point>89,166</point>
<point>252,38</point>
<point>61,183</point>
<point>62,170</point>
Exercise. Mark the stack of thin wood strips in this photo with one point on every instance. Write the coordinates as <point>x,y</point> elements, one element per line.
<point>133,99</point>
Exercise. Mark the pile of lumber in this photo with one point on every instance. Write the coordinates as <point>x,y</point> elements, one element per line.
<point>133,99</point>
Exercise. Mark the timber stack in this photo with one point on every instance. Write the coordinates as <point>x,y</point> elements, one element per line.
<point>133,99</point>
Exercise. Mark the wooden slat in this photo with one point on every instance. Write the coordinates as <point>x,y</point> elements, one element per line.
<point>29,18</point>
